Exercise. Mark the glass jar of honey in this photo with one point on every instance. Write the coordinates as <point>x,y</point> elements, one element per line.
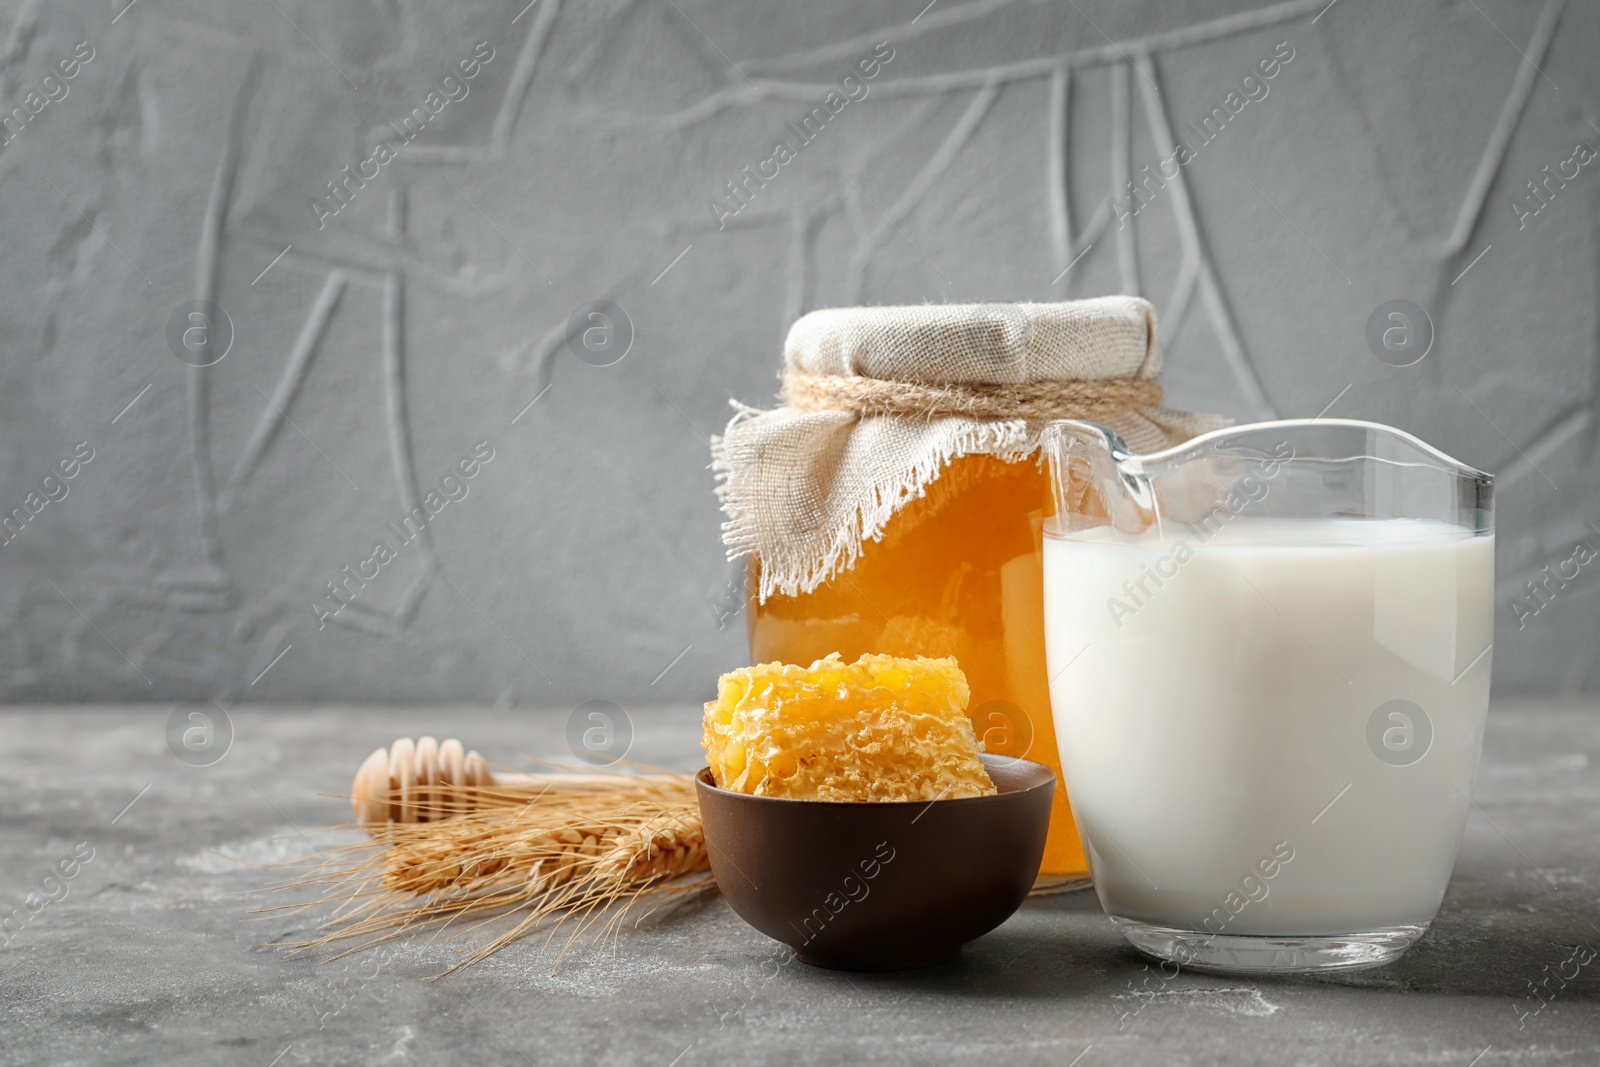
<point>895,502</point>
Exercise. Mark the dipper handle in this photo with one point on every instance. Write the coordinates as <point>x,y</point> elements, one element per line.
<point>426,779</point>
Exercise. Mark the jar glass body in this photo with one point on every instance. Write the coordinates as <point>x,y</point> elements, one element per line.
<point>957,572</point>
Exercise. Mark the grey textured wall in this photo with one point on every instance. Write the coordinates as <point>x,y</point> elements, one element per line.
<point>375,348</point>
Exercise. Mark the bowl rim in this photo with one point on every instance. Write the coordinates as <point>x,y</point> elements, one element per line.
<point>704,780</point>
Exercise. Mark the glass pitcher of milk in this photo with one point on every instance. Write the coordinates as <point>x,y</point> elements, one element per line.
<point>1269,654</point>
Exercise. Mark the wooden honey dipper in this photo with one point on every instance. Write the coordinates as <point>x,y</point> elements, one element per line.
<point>426,779</point>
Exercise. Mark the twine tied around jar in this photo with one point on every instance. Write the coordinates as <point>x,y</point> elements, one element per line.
<point>1034,401</point>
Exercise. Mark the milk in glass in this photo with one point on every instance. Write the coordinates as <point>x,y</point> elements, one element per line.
<point>1271,728</point>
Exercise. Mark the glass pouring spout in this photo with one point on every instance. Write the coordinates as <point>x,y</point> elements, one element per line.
<point>1092,465</point>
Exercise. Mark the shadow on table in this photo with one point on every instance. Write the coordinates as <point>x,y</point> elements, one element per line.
<point>1491,939</point>
<point>1056,948</point>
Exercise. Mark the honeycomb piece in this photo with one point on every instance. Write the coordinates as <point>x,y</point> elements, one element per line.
<point>878,729</point>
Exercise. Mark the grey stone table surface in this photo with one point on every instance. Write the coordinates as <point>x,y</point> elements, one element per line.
<point>142,957</point>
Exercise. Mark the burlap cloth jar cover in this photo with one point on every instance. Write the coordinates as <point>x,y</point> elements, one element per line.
<point>877,400</point>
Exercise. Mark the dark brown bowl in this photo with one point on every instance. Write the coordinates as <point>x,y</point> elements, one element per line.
<point>880,886</point>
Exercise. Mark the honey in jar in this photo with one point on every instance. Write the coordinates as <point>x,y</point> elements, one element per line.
<point>956,573</point>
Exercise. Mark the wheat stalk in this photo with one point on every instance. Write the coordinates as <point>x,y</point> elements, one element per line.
<point>566,856</point>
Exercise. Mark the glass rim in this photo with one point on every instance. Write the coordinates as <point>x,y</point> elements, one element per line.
<point>1199,441</point>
